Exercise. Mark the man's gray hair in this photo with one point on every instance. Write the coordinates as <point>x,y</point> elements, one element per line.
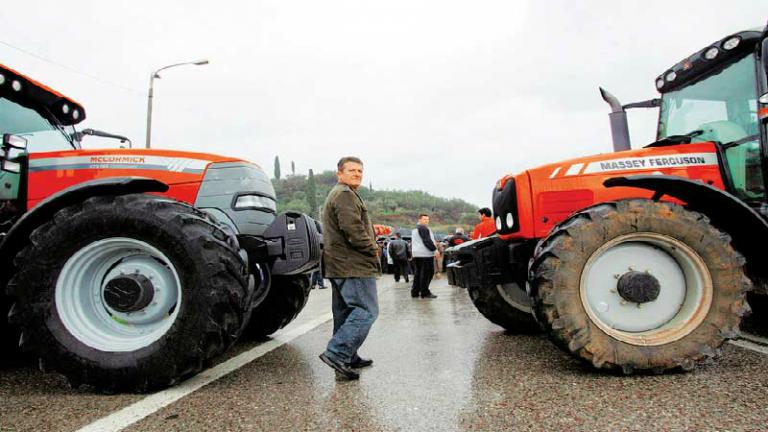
<point>459,230</point>
<point>345,159</point>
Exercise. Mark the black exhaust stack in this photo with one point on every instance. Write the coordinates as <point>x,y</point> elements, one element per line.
<point>618,117</point>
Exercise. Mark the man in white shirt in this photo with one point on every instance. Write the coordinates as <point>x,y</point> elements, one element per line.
<point>423,247</point>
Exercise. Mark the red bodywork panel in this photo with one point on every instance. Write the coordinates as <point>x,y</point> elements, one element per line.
<point>183,172</point>
<point>549,194</point>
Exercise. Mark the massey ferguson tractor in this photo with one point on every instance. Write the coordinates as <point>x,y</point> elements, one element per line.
<point>639,260</point>
<point>131,269</point>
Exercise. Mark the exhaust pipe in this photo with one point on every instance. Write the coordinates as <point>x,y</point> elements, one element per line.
<point>618,117</point>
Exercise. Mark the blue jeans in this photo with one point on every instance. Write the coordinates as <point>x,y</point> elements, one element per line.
<point>317,279</point>
<point>355,308</point>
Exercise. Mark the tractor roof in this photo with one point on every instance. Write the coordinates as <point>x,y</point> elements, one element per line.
<point>34,95</point>
<point>714,57</point>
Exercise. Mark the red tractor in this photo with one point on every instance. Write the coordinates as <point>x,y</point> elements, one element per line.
<point>131,269</point>
<point>641,259</point>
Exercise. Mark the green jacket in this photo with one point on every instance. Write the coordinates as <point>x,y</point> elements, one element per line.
<point>349,242</point>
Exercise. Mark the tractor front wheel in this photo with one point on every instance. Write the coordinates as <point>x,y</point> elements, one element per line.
<point>506,305</point>
<point>287,296</point>
<point>639,285</point>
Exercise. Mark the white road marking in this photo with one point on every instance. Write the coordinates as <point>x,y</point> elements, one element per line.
<point>149,405</point>
<point>743,343</point>
<point>754,338</point>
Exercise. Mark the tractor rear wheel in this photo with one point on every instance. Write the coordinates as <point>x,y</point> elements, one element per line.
<point>287,296</point>
<point>506,305</point>
<point>132,292</point>
<point>639,285</point>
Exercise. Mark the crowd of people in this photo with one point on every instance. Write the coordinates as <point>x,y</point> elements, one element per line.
<point>421,254</point>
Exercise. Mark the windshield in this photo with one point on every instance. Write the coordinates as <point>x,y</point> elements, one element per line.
<point>722,108</point>
<point>42,135</point>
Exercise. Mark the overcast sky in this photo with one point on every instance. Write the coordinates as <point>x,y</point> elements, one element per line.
<point>443,96</point>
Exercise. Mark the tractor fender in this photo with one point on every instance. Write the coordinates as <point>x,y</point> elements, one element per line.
<point>747,228</point>
<point>19,234</point>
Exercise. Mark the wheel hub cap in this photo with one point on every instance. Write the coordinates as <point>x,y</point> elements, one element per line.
<point>638,287</point>
<point>129,293</point>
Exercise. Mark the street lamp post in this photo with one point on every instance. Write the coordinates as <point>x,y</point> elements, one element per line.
<point>152,77</point>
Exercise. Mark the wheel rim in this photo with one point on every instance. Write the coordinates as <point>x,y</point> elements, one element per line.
<point>514,296</point>
<point>683,289</point>
<point>94,306</point>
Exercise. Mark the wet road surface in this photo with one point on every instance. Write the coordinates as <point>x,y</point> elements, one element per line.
<point>438,366</point>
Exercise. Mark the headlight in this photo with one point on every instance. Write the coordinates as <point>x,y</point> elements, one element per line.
<point>671,76</point>
<point>510,220</point>
<point>255,201</point>
<point>711,53</point>
<point>498,223</point>
<point>731,43</point>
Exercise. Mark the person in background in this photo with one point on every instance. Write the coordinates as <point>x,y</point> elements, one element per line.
<point>423,248</point>
<point>486,227</point>
<point>439,258</point>
<point>398,252</point>
<point>457,238</point>
<point>317,280</point>
<point>351,262</point>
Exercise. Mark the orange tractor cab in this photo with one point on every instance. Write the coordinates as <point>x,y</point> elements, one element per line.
<point>640,259</point>
<point>133,268</point>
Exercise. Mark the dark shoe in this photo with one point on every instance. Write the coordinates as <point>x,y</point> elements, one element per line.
<point>415,295</point>
<point>343,370</point>
<point>430,295</point>
<point>407,281</point>
<point>361,363</point>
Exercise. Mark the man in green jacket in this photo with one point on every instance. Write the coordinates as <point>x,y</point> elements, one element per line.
<point>351,263</point>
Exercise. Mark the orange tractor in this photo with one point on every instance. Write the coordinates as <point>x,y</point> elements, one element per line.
<point>641,259</point>
<point>131,269</point>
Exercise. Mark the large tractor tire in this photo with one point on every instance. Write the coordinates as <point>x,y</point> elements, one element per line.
<point>506,305</point>
<point>133,292</point>
<point>287,296</point>
<point>9,335</point>
<point>639,285</point>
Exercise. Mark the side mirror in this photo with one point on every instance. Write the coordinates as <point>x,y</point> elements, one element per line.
<point>14,141</point>
<point>10,166</point>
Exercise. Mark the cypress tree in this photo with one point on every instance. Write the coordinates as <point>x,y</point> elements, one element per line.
<point>277,168</point>
<point>311,194</point>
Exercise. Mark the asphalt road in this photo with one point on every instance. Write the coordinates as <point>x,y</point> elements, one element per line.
<point>439,366</point>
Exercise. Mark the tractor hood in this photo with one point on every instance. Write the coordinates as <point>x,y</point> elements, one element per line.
<point>51,172</point>
<point>530,203</point>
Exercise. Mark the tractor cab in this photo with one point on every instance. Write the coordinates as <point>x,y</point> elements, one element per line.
<point>713,96</point>
<point>40,115</point>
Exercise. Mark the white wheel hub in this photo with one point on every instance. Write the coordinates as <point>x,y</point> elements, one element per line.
<point>118,268</point>
<point>681,303</point>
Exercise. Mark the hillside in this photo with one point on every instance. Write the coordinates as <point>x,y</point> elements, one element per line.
<point>389,207</point>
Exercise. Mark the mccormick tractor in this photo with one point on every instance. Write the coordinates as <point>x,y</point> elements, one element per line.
<point>130,269</point>
<point>641,259</point>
